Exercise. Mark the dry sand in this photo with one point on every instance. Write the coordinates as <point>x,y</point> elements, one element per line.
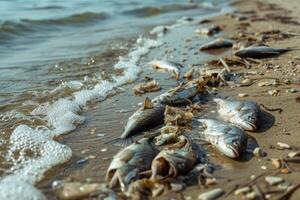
<point>275,127</point>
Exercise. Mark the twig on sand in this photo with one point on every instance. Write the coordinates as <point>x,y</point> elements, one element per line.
<point>288,193</point>
<point>225,65</point>
<point>272,109</point>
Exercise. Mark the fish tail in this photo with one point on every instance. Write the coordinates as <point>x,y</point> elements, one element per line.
<point>120,141</point>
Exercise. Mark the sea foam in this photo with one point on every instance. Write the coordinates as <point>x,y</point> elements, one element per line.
<point>33,150</point>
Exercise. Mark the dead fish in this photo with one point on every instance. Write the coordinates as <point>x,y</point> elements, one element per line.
<point>148,116</point>
<point>228,139</point>
<point>167,66</point>
<point>245,114</point>
<point>167,133</point>
<point>217,44</point>
<point>150,86</point>
<point>260,52</point>
<point>182,94</point>
<point>174,160</point>
<point>129,162</point>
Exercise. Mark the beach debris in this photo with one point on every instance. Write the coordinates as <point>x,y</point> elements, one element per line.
<point>282,145</point>
<point>271,109</point>
<point>81,161</point>
<point>217,44</point>
<point>259,152</point>
<point>177,187</point>
<point>291,90</point>
<point>178,116</point>
<point>274,92</point>
<point>294,154</point>
<point>77,190</point>
<point>271,82</point>
<point>168,134</point>
<point>148,116</point>
<point>245,114</point>
<point>150,86</point>
<point>263,167</point>
<point>170,66</point>
<point>228,139</point>
<point>209,31</point>
<point>260,52</point>
<point>129,162</point>
<point>174,160</point>
<point>242,95</point>
<point>189,74</point>
<point>211,194</point>
<point>273,180</point>
<point>140,189</point>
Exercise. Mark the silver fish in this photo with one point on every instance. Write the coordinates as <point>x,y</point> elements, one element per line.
<point>174,160</point>
<point>148,116</point>
<point>167,66</point>
<point>128,162</point>
<point>260,52</point>
<point>228,139</point>
<point>217,44</point>
<point>245,114</point>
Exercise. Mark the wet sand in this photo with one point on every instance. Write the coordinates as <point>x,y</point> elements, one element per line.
<point>109,117</point>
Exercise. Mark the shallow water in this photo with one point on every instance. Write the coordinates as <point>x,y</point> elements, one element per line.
<point>58,60</point>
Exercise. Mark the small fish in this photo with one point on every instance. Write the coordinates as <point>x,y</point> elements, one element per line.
<point>260,52</point>
<point>216,44</point>
<point>228,139</point>
<point>182,94</point>
<point>148,116</point>
<point>167,66</point>
<point>129,162</point>
<point>245,114</point>
<point>174,160</point>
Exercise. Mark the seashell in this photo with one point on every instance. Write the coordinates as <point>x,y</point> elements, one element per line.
<point>277,163</point>
<point>242,190</point>
<point>212,194</point>
<point>282,145</point>
<point>294,154</point>
<point>258,152</point>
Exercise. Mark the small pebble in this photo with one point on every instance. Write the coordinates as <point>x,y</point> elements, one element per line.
<point>285,171</point>
<point>274,92</point>
<point>251,195</point>
<point>212,194</point>
<point>263,167</point>
<point>210,181</point>
<point>258,152</point>
<point>100,134</point>
<point>242,190</point>
<point>294,154</point>
<point>273,180</point>
<point>282,145</point>
<point>242,95</point>
<point>292,90</point>
<point>177,187</point>
<point>277,163</point>
<point>103,150</point>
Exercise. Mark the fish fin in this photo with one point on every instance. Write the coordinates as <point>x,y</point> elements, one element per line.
<point>148,104</point>
<point>120,141</point>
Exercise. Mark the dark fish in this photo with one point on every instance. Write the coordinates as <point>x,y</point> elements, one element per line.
<point>260,52</point>
<point>217,44</point>
<point>129,162</point>
<point>148,116</point>
<point>228,139</point>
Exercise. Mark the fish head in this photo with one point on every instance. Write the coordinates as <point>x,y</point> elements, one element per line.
<point>122,177</point>
<point>231,145</point>
<point>248,120</point>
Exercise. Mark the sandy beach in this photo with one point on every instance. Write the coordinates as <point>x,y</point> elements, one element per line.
<point>274,23</point>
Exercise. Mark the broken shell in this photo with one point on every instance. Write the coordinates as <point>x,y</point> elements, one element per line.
<point>242,190</point>
<point>277,163</point>
<point>212,194</point>
<point>246,81</point>
<point>292,90</point>
<point>285,171</point>
<point>282,145</point>
<point>258,152</point>
<point>151,86</point>
<point>251,196</point>
<point>294,154</point>
<point>273,180</point>
<point>210,181</point>
<point>274,92</point>
<point>271,82</point>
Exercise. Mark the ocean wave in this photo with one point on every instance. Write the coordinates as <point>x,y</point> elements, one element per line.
<point>9,29</point>
<point>152,11</point>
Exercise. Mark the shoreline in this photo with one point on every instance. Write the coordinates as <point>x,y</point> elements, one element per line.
<point>284,128</point>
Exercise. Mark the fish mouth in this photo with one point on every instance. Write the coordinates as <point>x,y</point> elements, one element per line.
<point>234,153</point>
